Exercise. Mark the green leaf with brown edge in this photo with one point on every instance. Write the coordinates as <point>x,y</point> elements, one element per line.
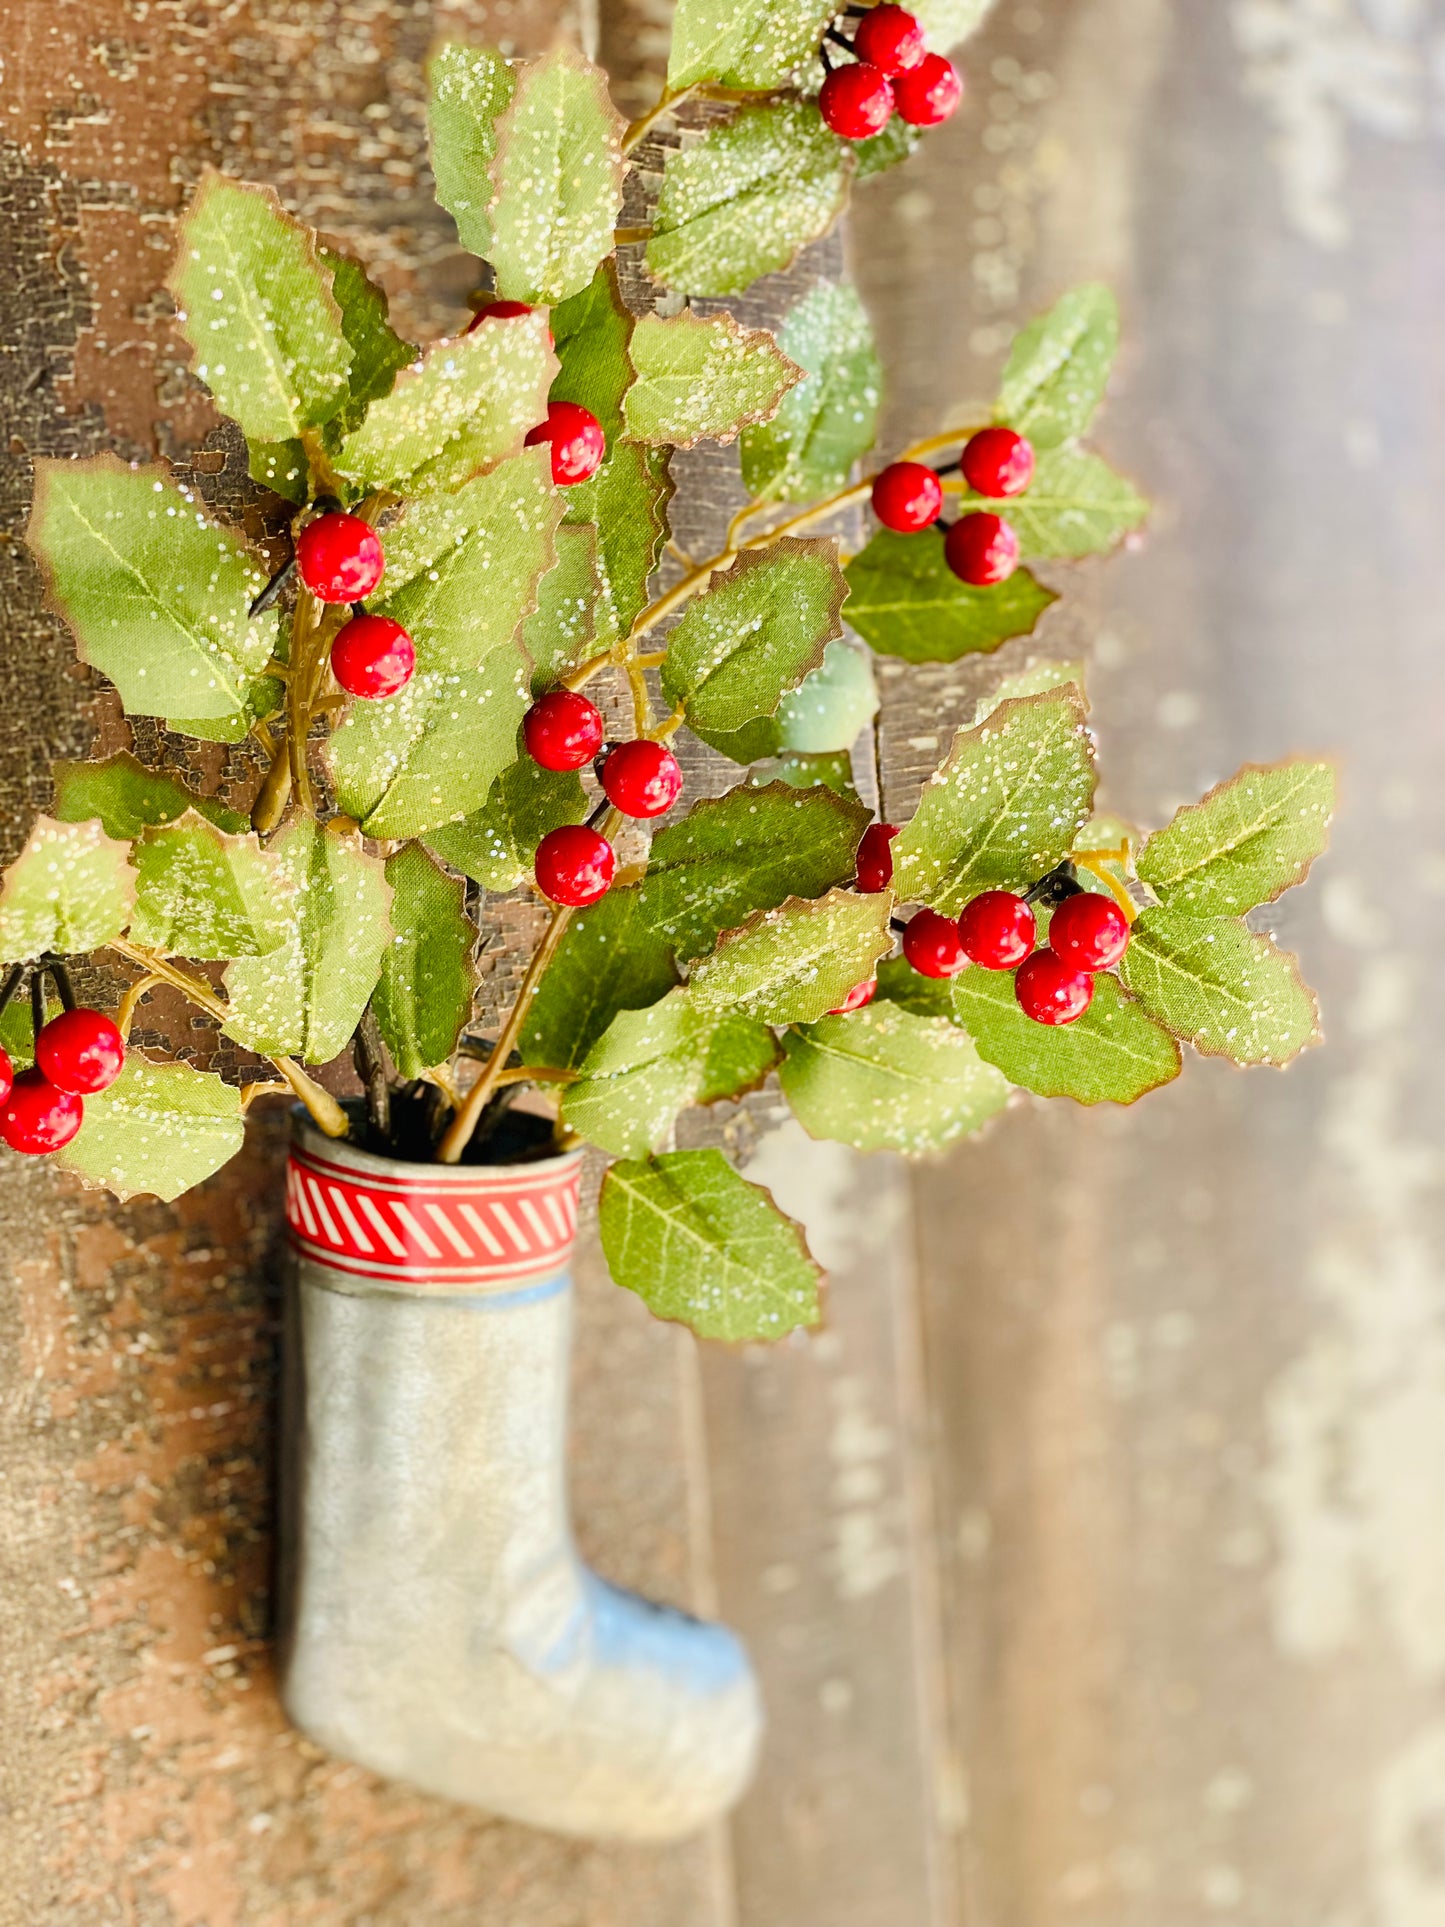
<point>158,1130</point>
<point>263,697</point>
<point>747,198</point>
<point>1059,366</point>
<point>828,421</point>
<point>795,963</point>
<point>748,850</point>
<point>560,635</point>
<point>1113,1053</point>
<point>1034,680</point>
<point>625,502</point>
<point>1247,842</point>
<point>496,844</point>
<point>753,634</point>
<point>557,176</point>
<point>468,91</point>
<point>428,978</point>
<point>754,45</point>
<point>702,378</point>
<point>70,890</point>
<point>282,467</point>
<point>1224,988</point>
<point>883,1079</point>
<point>701,1245</point>
<point>465,407</point>
<point>378,353</point>
<point>905,601</point>
<point>128,798</point>
<point>256,305</point>
<point>1075,505</point>
<point>592,330</point>
<point>1003,807</point>
<point>899,983</point>
<point>898,142</point>
<point>611,958</point>
<point>648,1065</point>
<point>157,595</point>
<point>306,998</point>
<point>205,894</point>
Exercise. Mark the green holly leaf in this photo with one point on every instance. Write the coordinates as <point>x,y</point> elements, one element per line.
<point>129,798</point>
<point>946,22</point>
<point>754,45</point>
<point>1035,680</point>
<point>795,963</point>
<point>469,89</point>
<point>557,177</point>
<point>753,634</point>
<point>625,503</point>
<point>496,844</point>
<point>466,574</point>
<point>306,998</point>
<point>1003,807</point>
<point>702,379</point>
<point>428,979</point>
<point>749,850</point>
<point>1075,505</point>
<point>829,709</point>
<point>804,772</point>
<point>560,635</point>
<point>827,421</point>
<point>157,595</point>
<point>282,467</point>
<point>378,353</point>
<point>747,198</point>
<point>159,1130</point>
<point>257,310</point>
<point>882,1079</point>
<point>1059,367</point>
<point>1223,987</point>
<point>1246,842</point>
<point>70,890</point>
<point>592,330</point>
<point>201,893</point>
<point>264,697</point>
<point>899,983</point>
<point>904,600</point>
<point>896,143</point>
<point>1113,1053</point>
<point>649,1065</point>
<point>611,958</point>
<point>466,406</point>
<point>701,1245</point>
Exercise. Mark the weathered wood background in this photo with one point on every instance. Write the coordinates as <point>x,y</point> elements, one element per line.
<point>1093,1558</point>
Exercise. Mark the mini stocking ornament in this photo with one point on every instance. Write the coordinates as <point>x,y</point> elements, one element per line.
<point>442,1629</point>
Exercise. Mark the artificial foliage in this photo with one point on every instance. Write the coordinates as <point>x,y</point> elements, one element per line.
<point>479,535</point>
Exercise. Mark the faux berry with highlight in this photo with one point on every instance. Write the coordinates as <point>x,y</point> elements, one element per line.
<point>931,944</point>
<point>982,550</point>
<point>562,730</point>
<point>372,657</point>
<point>81,1051</point>
<point>339,557</point>
<point>907,497</point>
<point>1052,991</point>
<point>575,865</point>
<point>997,930</point>
<point>578,443</point>
<point>641,778</point>
<point>1089,932</point>
<point>997,462</point>
<point>856,101</point>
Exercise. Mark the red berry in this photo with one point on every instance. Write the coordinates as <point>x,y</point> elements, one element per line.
<point>859,995</point>
<point>890,38</point>
<point>1052,991</point>
<point>907,497</point>
<point>981,549</point>
<point>856,101</point>
<point>339,557</point>
<point>929,92</point>
<point>1089,932</point>
<point>36,1117</point>
<point>578,443</point>
<point>7,1075</point>
<point>996,462</point>
<point>562,730</point>
<point>81,1051</point>
<point>875,859</point>
<point>372,656</point>
<point>575,865</point>
<point>931,945</point>
<point>642,778</point>
<point>997,929</point>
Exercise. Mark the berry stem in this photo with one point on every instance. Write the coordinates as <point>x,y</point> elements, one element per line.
<point>272,591</point>
<point>14,977</point>
<point>274,793</point>
<point>667,102</point>
<point>325,1111</point>
<point>839,39</point>
<point>130,1002</point>
<point>60,977</point>
<point>366,1055</point>
<point>1095,862</point>
<point>37,1002</point>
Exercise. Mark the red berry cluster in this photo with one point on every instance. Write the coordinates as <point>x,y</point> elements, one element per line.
<point>77,1054</point>
<point>563,731</point>
<point>893,73</point>
<point>980,548</point>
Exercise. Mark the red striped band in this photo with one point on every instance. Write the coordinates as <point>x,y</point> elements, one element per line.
<point>431,1226</point>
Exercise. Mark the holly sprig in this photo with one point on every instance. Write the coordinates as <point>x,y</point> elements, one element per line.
<point>477,540</point>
